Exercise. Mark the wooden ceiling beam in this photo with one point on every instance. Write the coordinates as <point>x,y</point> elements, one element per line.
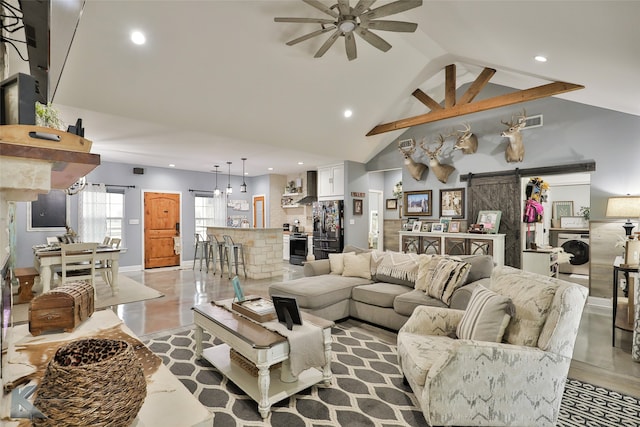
<point>450,86</point>
<point>479,84</point>
<point>525,95</point>
<point>426,100</point>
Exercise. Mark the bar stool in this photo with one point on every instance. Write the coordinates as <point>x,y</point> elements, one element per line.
<point>216,250</point>
<point>202,247</point>
<point>233,250</point>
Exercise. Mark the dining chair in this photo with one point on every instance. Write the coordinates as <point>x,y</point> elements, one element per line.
<point>78,262</point>
<point>104,267</point>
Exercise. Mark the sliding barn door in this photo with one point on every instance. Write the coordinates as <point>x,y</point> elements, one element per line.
<point>500,193</point>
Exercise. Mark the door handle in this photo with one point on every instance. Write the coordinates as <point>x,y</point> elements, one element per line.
<point>177,227</point>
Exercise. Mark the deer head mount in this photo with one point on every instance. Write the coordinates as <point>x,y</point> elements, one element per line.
<point>515,148</point>
<point>407,147</point>
<point>442,171</point>
<point>466,141</point>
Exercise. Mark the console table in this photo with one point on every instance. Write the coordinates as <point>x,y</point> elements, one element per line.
<point>454,244</point>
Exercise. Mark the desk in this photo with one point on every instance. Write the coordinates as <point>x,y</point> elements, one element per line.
<point>617,268</point>
<point>45,259</point>
<point>168,401</point>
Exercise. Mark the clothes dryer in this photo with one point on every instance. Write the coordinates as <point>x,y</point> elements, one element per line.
<point>577,245</point>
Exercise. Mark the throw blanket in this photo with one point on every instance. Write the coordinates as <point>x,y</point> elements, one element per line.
<point>306,343</point>
<point>400,265</point>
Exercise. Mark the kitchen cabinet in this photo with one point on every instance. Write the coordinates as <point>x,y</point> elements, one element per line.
<point>453,244</point>
<point>331,182</point>
<point>541,261</point>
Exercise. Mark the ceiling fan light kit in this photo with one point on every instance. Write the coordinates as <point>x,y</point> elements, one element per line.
<point>359,19</point>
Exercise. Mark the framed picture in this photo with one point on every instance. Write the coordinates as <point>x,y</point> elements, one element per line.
<point>490,220</point>
<point>452,203</point>
<point>417,203</point>
<point>417,226</point>
<point>454,227</point>
<point>49,213</point>
<point>357,206</point>
<point>561,209</point>
<point>445,220</point>
<point>436,227</point>
<point>392,203</point>
<point>426,227</point>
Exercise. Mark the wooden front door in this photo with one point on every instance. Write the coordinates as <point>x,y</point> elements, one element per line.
<point>161,225</point>
<point>499,193</point>
<point>258,211</point>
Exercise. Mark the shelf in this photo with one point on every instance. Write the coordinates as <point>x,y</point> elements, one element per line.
<point>291,194</point>
<point>290,206</point>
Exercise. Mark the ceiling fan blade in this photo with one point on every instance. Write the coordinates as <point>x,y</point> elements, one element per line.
<point>350,46</point>
<point>330,41</point>
<point>398,26</point>
<point>305,20</point>
<point>310,35</point>
<point>318,5</point>
<point>390,9</point>
<point>373,39</point>
<point>343,7</point>
<point>362,6</point>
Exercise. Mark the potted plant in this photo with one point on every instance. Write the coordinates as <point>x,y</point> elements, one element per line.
<point>48,116</point>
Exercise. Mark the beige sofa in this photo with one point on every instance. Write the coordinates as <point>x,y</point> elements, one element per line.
<point>386,299</point>
<point>516,380</point>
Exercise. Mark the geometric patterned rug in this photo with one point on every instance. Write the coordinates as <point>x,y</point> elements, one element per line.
<point>367,390</point>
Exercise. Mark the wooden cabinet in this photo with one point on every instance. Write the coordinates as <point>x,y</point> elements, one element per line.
<point>454,244</point>
<point>543,262</point>
<point>331,182</point>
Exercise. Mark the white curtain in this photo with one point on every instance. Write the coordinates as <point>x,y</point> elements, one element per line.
<point>220,210</point>
<point>93,213</point>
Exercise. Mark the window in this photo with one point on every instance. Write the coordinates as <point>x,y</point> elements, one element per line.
<point>115,214</point>
<point>101,214</point>
<point>204,214</point>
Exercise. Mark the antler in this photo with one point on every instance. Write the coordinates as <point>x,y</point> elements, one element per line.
<point>438,150</point>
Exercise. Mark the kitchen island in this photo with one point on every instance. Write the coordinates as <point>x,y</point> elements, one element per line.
<point>262,249</point>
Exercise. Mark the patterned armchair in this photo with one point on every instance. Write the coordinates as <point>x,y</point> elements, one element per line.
<point>518,381</point>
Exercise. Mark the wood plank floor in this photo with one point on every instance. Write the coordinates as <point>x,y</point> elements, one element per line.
<point>595,360</point>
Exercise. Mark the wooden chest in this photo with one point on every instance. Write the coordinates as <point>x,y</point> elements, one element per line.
<point>63,308</point>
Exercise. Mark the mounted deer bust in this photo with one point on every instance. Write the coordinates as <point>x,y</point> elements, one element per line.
<point>442,171</point>
<point>466,141</point>
<point>407,147</point>
<point>515,148</point>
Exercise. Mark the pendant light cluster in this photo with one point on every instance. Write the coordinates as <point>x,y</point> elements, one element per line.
<point>229,190</point>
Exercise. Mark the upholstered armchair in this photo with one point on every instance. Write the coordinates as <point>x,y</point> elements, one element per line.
<point>515,373</point>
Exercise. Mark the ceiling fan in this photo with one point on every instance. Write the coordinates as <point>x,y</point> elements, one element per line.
<point>347,20</point>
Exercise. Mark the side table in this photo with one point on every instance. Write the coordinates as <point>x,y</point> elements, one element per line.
<point>617,268</point>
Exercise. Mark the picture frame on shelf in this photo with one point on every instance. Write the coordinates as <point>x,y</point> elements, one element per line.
<point>445,220</point>
<point>490,221</point>
<point>357,206</point>
<point>452,203</point>
<point>408,225</point>
<point>562,208</point>
<point>437,227</point>
<point>454,227</point>
<point>426,227</point>
<point>392,203</point>
<point>417,226</point>
<point>418,203</point>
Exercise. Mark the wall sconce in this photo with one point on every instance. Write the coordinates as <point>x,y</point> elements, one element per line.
<point>216,192</point>
<point>243,187</point>
<point>624,207</point>
<point>229,189</point>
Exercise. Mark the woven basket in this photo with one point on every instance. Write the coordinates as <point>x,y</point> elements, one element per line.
<point>91,382</point>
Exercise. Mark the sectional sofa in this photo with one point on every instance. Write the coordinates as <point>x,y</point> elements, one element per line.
<point>384,288</point>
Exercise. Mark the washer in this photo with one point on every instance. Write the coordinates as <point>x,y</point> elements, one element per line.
<point>578,245</point>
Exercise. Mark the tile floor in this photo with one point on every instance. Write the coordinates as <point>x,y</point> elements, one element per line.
<point>595,360</point>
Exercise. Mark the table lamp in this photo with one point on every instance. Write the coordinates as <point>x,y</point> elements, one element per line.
<point>624,207</point>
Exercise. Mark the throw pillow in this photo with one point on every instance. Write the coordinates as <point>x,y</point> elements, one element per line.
<point>336,261</point>
<point>445,277</point>
<point>486,317</point>
<point>357,265</point>
<point>425,268</point>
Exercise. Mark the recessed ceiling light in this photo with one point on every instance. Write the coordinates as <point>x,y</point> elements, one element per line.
<point>270,169</point>
<point>171,165</point>
<point>138,37</point>
<point>301,163</point>
<point>348,113</point>
<point>540,58</point>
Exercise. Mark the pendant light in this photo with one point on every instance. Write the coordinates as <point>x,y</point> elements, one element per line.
<point>243,187</point>
<point>216,192</point>
<point>229,189</point>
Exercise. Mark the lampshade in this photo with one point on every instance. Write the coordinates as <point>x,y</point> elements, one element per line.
<point>243,187</point>
<point>229,189</point>
<point>624,207</point>
<point>216,192</point>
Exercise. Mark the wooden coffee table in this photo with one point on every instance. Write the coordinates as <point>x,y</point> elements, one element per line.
<point>262,347</point>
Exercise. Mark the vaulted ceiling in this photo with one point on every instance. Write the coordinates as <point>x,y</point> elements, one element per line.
<point>215,81</point>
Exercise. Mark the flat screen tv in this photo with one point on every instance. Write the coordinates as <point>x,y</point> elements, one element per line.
<point>18,100</point>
